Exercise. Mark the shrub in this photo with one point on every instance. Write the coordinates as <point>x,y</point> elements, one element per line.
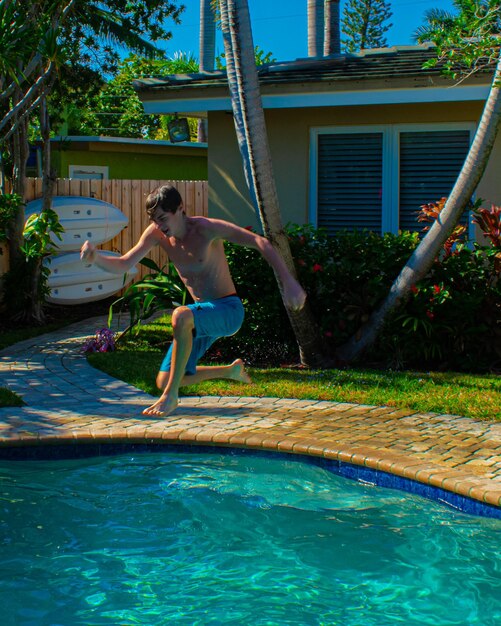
<point>451,319</point>
<point>344,277</point>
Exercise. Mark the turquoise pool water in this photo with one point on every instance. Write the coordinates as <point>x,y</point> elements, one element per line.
<point>184,538</point>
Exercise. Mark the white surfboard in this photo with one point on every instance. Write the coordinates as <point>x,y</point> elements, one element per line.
<point>73,281</point>
<point>82,218</point>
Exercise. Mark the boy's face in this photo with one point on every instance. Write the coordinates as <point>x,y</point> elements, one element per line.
<point>166,221</point>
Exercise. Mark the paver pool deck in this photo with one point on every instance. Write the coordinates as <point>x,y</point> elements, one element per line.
<point>70,403</point>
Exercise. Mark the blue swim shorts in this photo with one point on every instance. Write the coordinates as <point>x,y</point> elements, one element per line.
<point>213,319</point>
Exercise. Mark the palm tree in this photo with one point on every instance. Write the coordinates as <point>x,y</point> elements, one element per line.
<point>207,36</point>
<point>449,34</point>
<point>31,38</point>
<point>253,143</point>
<point>28,59</point>
<point>97,31</point>
<point>332,40</point>
<point>207,51</point>
<point>315,27</point>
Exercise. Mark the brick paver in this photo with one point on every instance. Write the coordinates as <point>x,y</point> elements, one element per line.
<point>69,402</point>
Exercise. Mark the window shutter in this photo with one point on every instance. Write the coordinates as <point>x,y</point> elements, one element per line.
<point>350,180</point>
<point>429,165</point>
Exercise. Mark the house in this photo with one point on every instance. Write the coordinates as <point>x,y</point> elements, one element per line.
<point>357,140</point>
<point>125,158</point>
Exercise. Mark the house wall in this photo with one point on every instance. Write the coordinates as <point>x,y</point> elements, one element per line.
<point>133,161</point>
<point>289,137</point>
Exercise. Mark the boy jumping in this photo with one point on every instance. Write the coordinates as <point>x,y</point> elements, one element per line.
<point>195,247</point>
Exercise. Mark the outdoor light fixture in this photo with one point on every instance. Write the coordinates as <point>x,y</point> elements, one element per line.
<point>178,129</point>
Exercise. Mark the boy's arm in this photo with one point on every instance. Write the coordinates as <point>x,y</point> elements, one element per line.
<point>121,264</point>
<point>294,294</point>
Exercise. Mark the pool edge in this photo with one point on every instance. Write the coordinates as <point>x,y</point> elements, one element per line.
<point>455,489</point>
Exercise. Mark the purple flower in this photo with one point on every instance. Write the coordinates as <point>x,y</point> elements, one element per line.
<point>103,341</point>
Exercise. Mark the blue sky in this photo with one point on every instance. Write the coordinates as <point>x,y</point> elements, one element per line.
<point>280,26</point>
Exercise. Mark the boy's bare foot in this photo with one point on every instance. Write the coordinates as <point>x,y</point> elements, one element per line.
<point>162,407</point>
<point>237,372</point>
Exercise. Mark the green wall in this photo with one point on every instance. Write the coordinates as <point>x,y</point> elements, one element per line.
<point>132,161</point>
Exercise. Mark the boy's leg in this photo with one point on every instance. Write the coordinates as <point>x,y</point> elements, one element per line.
<point>182,324</point>
<point>235,371</point>
<point>174,375</point>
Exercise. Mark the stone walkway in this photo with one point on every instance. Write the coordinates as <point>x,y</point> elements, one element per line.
<point>69,402</point>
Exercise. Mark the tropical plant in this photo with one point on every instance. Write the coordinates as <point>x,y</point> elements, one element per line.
<point>29,56</point>
<point>25,283</point>
<point>116,110</point>
<point>470,36</point>
<point>42,41</point>
<point>253,143</point>
<point>365,23</point>
<point>9,205</point>
<point>489,221</point>
<point>467,41</point>
<point>157,291</point>
<point>260,56</point>
<point>97,33</point>
<point>431,211</point>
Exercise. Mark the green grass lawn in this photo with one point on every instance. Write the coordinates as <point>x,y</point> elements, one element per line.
<point>9,398</point>
<point>471,395</point>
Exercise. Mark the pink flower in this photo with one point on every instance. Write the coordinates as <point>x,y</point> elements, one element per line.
<point>437,289</point>
<point>414,289</point>
<point>328,333</point>
<point>317,268</point>
<point>430,314</point>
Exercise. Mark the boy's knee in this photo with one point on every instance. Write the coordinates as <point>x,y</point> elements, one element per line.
<point>162,380</point>
<point>182,319</point>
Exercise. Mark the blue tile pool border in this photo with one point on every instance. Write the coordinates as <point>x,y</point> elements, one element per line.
<point>358,473</point>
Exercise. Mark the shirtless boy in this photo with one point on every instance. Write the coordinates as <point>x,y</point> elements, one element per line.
<point>195,247</point>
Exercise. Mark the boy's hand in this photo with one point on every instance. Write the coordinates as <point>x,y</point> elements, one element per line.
<point>88,252</point>
<point>294,295</point>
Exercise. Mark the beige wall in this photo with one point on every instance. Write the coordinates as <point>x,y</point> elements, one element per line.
<point>288,132</point>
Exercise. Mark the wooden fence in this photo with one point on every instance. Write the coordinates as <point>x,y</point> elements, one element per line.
<point>129,196</point>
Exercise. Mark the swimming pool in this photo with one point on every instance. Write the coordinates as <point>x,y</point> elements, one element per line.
<point>212,538</point>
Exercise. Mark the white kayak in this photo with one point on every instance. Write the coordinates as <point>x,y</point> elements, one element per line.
<point>82,218</point>
<point>73,281</point>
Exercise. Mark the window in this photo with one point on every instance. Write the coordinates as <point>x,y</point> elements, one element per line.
<point>89,171</point>
<point>350,196</point>
<point>377,177</point>
<point>429,165</point>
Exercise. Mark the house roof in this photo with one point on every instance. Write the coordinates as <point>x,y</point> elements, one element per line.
<point>382,69</point>
<point>138,141</point>
<point>377,63</point>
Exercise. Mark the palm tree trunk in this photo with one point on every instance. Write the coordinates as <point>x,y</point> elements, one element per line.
<point>423,257</point>
<point>19,152</point>
<point>207,36</point>
<point>332,41</point>
<point>315,28</point>
<point>36,312</point>
<point>207,53</point>
<point>253,143</point>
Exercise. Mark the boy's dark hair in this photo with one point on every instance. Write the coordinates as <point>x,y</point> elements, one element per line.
<point>167,198</point>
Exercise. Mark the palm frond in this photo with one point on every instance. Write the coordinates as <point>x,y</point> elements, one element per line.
<point>117,31</point>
